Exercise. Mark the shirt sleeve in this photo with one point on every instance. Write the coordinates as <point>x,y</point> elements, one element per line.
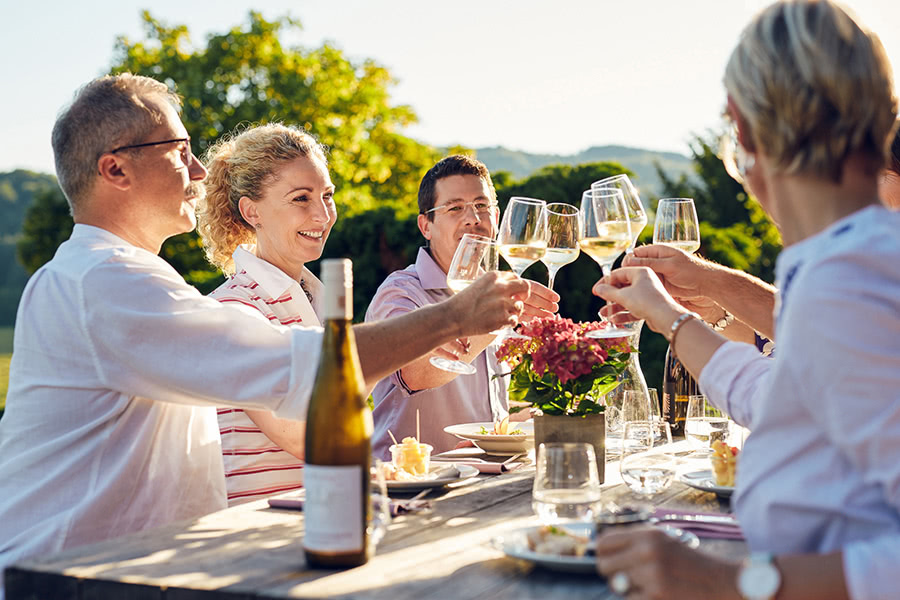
<point>394,298</point>
<point>853,390</point>
<point>154,336</point>
<point>732,378</point>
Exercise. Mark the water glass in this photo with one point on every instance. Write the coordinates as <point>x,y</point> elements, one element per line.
<point>705,424</point>
<point>566,484</point>
<point>648,473</point>
<point>379,511</point>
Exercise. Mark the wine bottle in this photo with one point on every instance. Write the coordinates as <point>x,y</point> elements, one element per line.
<point>678,387</point>
<point>338,437</point>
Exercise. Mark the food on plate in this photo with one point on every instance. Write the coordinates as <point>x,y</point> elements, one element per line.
<point>410,461</point>
<point>556,540</point>
<point>501,427</point>
<point>724,461</point>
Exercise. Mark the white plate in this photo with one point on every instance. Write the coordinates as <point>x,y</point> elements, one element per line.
<point>704,480</point>
<point>492,443</point>
<point>464,472</point>
<point>515,545</point>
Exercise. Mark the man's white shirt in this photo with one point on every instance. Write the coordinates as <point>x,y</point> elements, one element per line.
<point>118,365</point>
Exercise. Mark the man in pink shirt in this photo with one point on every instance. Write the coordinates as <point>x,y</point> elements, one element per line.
<point>456,197</point>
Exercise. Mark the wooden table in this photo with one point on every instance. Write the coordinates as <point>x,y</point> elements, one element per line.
<point>253,551</point>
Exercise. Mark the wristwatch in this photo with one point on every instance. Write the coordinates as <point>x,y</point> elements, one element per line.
<point>759,578</point>
<point>722,323</point>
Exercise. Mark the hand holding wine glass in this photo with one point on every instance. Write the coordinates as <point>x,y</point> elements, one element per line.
<point>564,232</point>
<point>475,255</point>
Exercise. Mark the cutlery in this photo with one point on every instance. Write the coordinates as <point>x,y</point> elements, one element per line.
<point>709,519</point>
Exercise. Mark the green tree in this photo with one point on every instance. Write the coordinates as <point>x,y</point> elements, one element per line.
<point>248,76</point>
<point>47,224</point>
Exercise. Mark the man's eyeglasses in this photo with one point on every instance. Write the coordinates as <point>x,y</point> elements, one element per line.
<point>457,208</point>
<point>186,154</point>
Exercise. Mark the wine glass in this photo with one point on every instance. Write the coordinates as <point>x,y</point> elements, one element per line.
<point>677,225</point>
<point>378,515</point>
<point>606,232</point>
<point>704,424</point>
<point>649,472</point>
<point>522,239</point>
<point>566,484</point>
<point>474,256</point>
<point>636,213</point>
<point>523,233</point>
<point>564,229</point>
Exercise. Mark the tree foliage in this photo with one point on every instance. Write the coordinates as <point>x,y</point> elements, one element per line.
<point>248,76</point>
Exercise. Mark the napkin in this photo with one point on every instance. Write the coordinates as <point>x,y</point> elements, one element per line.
<point>486,466</point>
<point>397,507</point>
<point>720,531</point>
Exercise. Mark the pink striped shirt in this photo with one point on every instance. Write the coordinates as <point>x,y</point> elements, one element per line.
<point>256,467</point>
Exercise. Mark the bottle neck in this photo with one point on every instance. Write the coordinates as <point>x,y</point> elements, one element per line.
<point>338,302</point>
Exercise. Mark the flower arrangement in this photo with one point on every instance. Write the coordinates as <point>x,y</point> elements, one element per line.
<point>558,370</point>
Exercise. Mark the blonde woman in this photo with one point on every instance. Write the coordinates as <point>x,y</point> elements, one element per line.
<point>810,92</point>
<point>268,211</point>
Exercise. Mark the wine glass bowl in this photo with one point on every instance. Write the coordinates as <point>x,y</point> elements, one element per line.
<point>563,235</point>
<point>636,213</point>
<point>522,237</point>
<point>676,224</point>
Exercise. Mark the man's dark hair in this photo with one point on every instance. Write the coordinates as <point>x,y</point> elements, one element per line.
<point>458,164</point>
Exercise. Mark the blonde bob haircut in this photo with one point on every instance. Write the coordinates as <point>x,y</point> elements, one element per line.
<point>243,164</point>
<point>812,87</point>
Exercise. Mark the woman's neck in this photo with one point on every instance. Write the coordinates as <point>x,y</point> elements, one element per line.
<point>804,205</point>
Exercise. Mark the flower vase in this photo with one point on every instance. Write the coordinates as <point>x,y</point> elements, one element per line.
<point>589,429</point>
<point>631,379</point>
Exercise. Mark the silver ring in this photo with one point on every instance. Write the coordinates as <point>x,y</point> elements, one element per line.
<point>619,583</point>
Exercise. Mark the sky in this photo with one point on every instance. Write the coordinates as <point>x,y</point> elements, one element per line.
<point>539,76</point>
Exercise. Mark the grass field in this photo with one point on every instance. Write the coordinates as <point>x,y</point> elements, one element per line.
<point>6,337</point>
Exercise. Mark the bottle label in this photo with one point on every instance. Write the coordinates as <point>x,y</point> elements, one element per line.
<point>333,511</point>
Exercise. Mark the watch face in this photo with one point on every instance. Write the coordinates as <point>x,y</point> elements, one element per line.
<point>759,580</point>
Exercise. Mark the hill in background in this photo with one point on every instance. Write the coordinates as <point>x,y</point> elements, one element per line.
<point>641,162</point>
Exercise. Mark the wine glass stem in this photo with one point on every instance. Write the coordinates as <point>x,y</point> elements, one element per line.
<point>551,278</point>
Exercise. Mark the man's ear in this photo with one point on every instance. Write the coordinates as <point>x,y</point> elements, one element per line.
<point>249,211</point>
<point>115,171</point>
<point>424,226</point>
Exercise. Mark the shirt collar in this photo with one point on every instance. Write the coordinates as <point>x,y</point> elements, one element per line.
<point>272,279</point>
<point>430,273</point>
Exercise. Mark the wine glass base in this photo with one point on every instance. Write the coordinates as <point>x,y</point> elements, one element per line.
<point>452,366</point>
<point>615,332</point>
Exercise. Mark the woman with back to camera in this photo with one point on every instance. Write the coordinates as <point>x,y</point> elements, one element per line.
<point>810,92</point>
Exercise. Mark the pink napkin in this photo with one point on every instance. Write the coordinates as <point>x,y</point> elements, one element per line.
<point>485,466</point>
<point>720,531</point>
<point>398,507</point>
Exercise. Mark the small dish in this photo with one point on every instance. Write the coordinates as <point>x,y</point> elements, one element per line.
<point>705,481</point>
<point>515,545</point>
<point>495,444</point>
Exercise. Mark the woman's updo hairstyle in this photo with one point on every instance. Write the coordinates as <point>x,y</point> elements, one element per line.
<point>243,164</point>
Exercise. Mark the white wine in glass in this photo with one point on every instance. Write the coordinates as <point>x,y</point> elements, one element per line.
<point>523,233</point>
<point>475,255</point>
<point>563,234</point>
<point>677,225</point>
<point>606,233</point>
<point>636,213</point>
<point>522,239</point>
